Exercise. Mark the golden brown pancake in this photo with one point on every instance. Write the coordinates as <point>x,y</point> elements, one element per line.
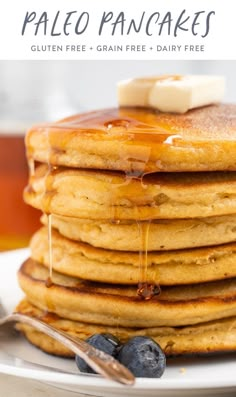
<point>108,195</point>
<point>91,178</point>
<point>165,268</point>
<point>140,140</point>
<point>214,336</point>
<point>118,305</point>
<point>163,235</point>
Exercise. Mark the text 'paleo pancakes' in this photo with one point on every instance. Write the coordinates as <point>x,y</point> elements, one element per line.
<point>140,210</point>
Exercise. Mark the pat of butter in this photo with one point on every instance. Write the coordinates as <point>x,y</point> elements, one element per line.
<point>169,93</point>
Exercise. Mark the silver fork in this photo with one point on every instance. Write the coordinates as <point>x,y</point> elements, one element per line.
<point>100,362</point>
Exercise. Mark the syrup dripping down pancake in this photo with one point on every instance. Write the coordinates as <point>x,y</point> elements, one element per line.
<point>163,235</point>
<point>171,149</point>
<point>84,261</point>
<point>117,305</point>
<point>140,140</point>
<point>108,195</point>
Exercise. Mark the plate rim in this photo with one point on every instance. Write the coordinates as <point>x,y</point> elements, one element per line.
<point>48,376</point>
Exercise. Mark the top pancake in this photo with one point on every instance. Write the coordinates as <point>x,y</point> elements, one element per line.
<point>138,140</point>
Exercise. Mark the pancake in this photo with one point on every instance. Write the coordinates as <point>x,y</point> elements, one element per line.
<point>165,268</point>
<point>118,305</point>
<point>214,336</point>
<point>140,140</point>
<point>108,195</point>
<point>163,235</point>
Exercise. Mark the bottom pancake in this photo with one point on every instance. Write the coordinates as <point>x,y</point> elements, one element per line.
<point>215,336</point>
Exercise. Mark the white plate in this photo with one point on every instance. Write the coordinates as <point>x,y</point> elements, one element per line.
<point>186,377</point>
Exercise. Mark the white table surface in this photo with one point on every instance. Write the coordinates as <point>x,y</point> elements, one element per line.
<point>11,386</point>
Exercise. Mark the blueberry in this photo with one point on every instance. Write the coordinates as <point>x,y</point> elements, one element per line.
<point>105,342</point>
<point>143,357</point>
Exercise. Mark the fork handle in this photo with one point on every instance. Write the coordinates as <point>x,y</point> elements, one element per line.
<point>99,361</point>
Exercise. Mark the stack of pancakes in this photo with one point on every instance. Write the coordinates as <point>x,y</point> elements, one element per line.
<point>140,212</point>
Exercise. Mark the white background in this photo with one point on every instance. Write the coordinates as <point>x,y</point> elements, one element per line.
<point>219,44</point>
<point>44,86</point>
<point>33,91</point>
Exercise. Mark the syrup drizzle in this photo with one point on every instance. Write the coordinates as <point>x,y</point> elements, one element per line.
<point>144,228</point>
<point>49,281</point>
<point>31,165</point>
<point>46,201</point>
<point>137,134</point>
<point>136,170</point>
<point>146,289</point>
<point>138,130</point>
